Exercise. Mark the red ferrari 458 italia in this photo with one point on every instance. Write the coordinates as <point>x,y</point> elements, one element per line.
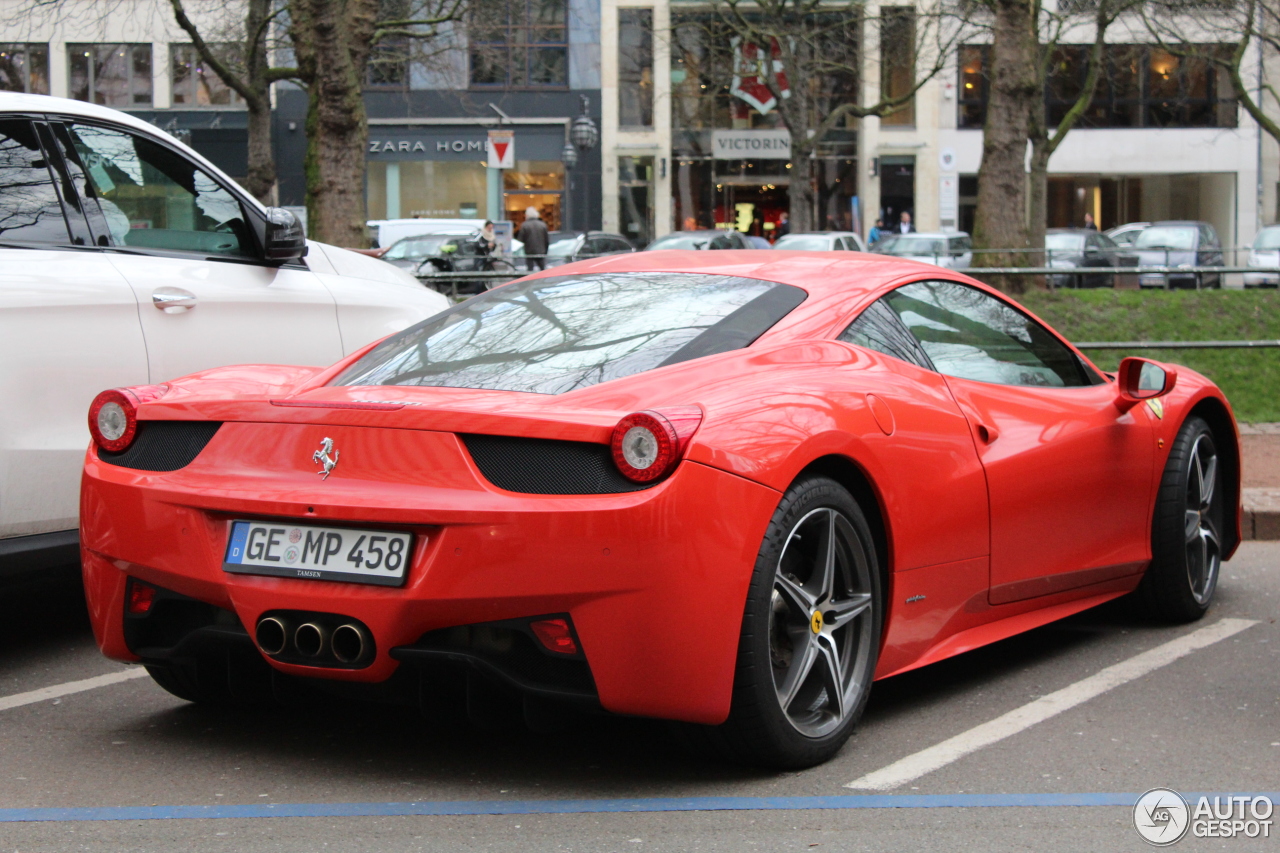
<point>730,489</point>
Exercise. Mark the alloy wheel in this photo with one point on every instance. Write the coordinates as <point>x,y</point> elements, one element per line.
<point>1204,553</point>
<point>822,622</point>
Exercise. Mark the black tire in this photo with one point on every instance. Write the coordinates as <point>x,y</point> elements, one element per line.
<point>1186,558</point>
<point>843,643</point>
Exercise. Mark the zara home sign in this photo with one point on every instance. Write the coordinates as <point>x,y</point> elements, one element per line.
<point>751,144</point>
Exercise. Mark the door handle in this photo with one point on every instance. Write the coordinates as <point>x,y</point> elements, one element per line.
<point>173,300</point>
<point>987,434</point>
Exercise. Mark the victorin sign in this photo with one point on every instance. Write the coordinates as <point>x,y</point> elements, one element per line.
<point>751,144</point>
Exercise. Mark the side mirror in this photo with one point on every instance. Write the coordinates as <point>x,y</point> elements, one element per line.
<point>1140,379</point>
<point>284,240</point>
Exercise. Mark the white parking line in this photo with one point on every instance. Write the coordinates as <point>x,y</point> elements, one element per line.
<point>940,755</point>
<point>57,690</point>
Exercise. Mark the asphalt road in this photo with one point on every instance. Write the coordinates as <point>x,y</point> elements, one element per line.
<point>1209,720</point>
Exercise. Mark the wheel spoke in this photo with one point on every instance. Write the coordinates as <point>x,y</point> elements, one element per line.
<point>830,672</point>
<point>1191,522</point>
<point>1208,477</point>
<point>826,587</point>
<point>799,599</point>
<point>798,672</point>
<point>837,614</point>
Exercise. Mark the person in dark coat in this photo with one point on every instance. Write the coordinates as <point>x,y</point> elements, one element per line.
<point>784,225</point>
<point>533,233</point>
<point>904,224</point>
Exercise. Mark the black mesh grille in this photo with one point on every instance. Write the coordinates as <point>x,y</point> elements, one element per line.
<point>163,445</point>
<point>540,466</point>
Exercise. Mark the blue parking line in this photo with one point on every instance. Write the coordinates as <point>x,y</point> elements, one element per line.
<point>550,807</point>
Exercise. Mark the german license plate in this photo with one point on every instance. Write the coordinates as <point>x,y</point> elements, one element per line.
<point>318,553</point>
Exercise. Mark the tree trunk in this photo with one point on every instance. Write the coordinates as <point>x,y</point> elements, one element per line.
<point>261,180</point>
<point>1001,221</point>
<point>332,40</point>
<point>1037,208</point>
<point>801,190</point>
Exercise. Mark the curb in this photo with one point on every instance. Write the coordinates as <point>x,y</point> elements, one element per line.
<point>1261,518</point>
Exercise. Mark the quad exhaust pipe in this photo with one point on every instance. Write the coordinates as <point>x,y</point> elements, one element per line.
<point>317,639</point>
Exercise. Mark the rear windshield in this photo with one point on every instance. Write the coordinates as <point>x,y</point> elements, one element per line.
<point>552,335</point>
<point>804,242</point>
<point>1063,242</point>
<point>1268,239</point>
<point>910,244</point>
<point>1167,237</point>
<point>683,240</point>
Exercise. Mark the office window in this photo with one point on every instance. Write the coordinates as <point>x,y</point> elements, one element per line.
<point>898,61</point>
<point>1141,86</point>
<point>520,44</point>
<point>197,85</point>
<point>24,68</point>
<point>113,75</point>
<point>635,67</point>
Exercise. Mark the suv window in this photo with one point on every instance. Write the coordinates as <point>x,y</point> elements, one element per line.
<point>29,207</point>
<point>154,198</point>
<point>971,335</point>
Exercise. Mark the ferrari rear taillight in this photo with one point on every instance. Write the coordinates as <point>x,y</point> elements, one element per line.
<point>113,416</point>
<point>648,445</point>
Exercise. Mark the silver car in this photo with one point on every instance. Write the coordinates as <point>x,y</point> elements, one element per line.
<point>953,251</point>
<point>821,241</point>
<point>1265,252</point>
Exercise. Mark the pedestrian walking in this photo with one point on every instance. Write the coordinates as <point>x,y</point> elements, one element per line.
<point>784,225</point>
<point>533,233</point>
<point>877,231</point>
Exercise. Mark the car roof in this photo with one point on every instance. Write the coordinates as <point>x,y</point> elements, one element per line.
<point>458,233</point>
<point>819,273</point>
<point>1070,231</point>
<point>1179,223</point>
<point>937,234</point>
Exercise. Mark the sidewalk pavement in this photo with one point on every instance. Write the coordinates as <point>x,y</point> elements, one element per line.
<point>1260,447</point>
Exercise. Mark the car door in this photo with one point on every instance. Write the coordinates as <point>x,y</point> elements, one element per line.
<point>182,241</point>
<point>68,330</point>
<point>1068,472</point>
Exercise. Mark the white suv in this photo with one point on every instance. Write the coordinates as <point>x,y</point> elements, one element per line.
<point>128,259</point>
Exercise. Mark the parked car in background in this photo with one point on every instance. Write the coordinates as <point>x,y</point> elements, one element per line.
<point>408,253</point>
<point>565,247</point>
<point>1125,235</point>
<point>126,258</point>
<point>952,251</point>
<point>709,239</point>
<point>385,232</point>
<point>1179,243</point>
<point>1265,252</point>
<point>757,242</point>
<point>822,241</point>
<point>1081,248</point>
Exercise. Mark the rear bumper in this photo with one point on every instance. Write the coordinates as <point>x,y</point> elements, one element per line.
<point>654,581</point>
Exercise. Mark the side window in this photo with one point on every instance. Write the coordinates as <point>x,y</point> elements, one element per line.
<point>878,328</point>
<point>721,242</point>
<point>619,246</point>
<point>29,207</point>
<point>971,335</point>
<point>154,198</point>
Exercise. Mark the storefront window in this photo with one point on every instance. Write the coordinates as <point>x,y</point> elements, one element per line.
<point>533,183</point>
<point>635,199</point>
<point>635,67</point>
<point>113,75</point>
<point>24,68</point>
<point>429,189</point>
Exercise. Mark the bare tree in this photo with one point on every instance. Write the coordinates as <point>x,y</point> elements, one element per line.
<point>333,41</point>
<point>1230,37</point>
<point>248,71</point>
<point>808,55</point>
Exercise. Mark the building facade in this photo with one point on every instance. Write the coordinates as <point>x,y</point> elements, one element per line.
<point>429,110</point>
<point>1163,139</point>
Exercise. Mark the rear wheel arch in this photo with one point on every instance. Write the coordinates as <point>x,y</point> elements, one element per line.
<point>1216,415</point>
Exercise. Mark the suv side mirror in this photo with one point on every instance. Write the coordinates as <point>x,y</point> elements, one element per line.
<point>1140,379</point>
<point>284,239</point>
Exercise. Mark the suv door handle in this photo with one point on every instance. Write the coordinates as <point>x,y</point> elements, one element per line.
<point>173,300</point>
